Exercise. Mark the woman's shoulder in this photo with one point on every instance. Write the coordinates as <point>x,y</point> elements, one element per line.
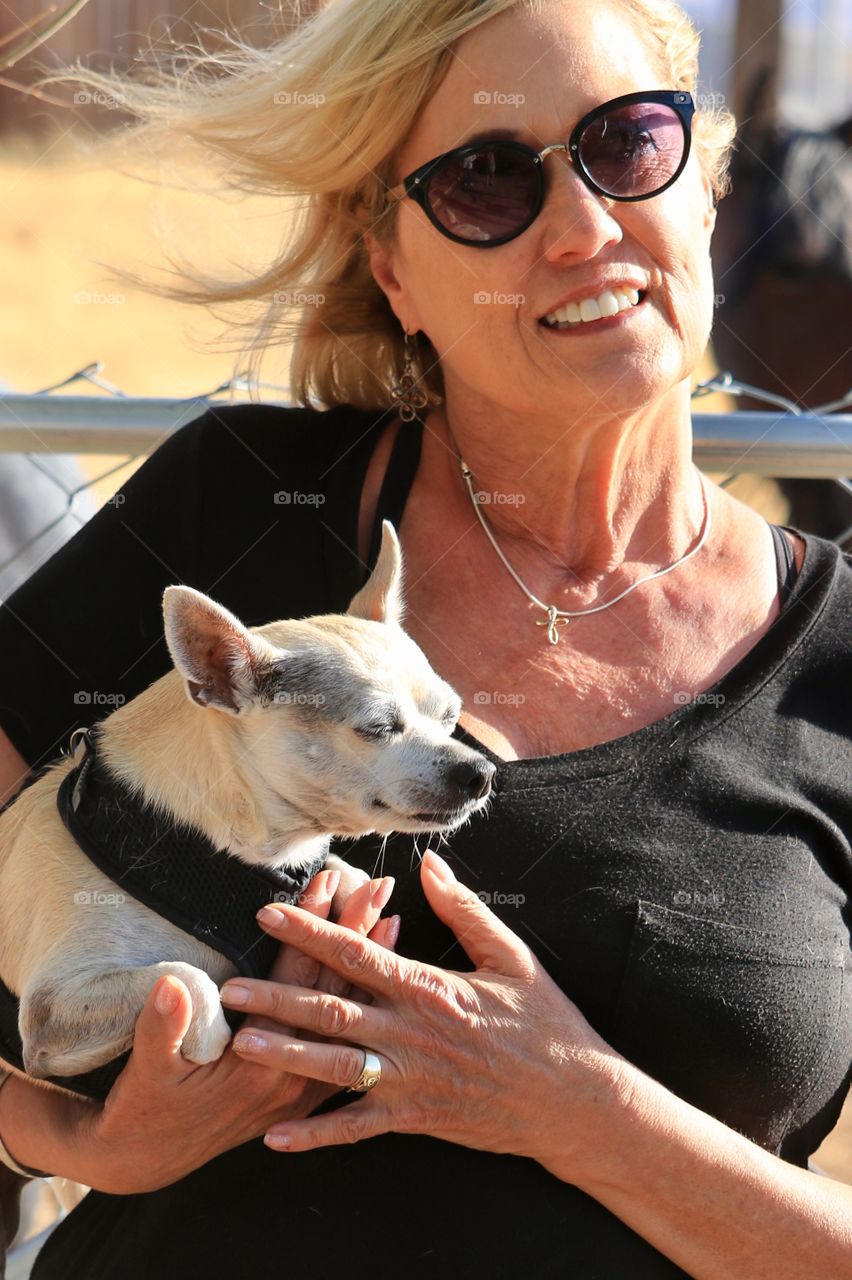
<point>277,433</point>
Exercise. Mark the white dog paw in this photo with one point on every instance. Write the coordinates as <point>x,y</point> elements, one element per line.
<point>208,1033</point>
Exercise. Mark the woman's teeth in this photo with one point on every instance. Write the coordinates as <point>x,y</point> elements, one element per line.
<point>609,303</point>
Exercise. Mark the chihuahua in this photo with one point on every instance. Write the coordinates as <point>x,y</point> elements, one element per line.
<point>268,741</point>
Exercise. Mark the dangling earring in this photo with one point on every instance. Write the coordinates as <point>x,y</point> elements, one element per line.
<point>407,396</point>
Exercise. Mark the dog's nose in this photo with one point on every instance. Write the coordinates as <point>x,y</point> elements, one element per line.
<point>471,778</point>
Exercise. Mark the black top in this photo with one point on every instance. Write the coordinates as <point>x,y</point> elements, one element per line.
<point>686,884</point>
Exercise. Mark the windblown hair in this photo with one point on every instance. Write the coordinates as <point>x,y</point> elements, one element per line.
<point>322,114</point>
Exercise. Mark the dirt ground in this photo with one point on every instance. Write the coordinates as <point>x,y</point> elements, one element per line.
<point>60,309</point>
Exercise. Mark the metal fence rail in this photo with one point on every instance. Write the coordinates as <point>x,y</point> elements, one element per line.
<point>39,433</point>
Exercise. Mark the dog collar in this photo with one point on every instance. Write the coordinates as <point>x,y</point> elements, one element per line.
<point>172,869</point>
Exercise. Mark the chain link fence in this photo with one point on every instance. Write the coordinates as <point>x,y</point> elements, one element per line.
<point>59,453</point>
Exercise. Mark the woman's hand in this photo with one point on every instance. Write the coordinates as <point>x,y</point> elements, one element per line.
<point>498,1059</point>
<point>165,1117</point>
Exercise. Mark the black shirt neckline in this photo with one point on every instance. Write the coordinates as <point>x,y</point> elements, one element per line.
<point>806,599</point>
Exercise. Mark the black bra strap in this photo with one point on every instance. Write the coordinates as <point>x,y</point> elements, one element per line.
<point>399,477</point>
<point>786,563</point>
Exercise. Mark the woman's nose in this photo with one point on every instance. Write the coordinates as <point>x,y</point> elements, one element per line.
<point>574,220</point>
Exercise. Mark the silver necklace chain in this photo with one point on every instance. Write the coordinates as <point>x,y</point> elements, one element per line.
<point>559,617</point>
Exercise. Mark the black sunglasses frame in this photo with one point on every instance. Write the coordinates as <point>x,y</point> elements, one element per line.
<point>416,184</point>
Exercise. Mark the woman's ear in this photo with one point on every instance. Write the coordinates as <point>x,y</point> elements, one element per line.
<point>382,267</point>
<point>711,203</point>
<point>383,264</point>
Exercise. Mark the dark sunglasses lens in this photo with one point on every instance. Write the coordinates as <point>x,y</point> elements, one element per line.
<point>633,150</point>
<point>486,194</point>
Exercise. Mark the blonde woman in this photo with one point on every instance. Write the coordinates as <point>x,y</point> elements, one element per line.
<point>617,1024</point>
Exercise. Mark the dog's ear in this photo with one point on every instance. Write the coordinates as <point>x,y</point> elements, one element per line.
<point>380,598</point>
<point>221,661</point>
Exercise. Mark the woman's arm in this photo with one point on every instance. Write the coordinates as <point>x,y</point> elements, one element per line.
<point>539,1082</point>
<point>711,1200</point>
<point>165,1117</point>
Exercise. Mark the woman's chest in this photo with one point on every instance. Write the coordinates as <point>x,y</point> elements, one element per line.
<point>525,697</point>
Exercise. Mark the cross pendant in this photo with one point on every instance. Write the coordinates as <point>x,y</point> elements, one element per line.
<point>552,621</point>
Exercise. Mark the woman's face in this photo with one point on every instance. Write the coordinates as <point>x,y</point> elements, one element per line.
<point>537,75</point>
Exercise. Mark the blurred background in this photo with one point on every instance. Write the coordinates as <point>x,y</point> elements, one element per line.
<point>782,252</point>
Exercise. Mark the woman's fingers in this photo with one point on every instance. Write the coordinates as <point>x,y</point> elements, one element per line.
<point>338,1065</point>
<point>321,1014</point>
<point>360,1120</point>
<point>294,966</point>
<point>361,913</point>
<point>351,956</point>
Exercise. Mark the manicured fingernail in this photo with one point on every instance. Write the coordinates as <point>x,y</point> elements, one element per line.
<point>392,934</point>
<point>380,897</point>
<point>272,919</point>
<point>250,1042</point>
<point>438,867</point>
<point>165,1001</point>
<point>233,993</point>
<point>332,883</point>
<point>277,1141</point>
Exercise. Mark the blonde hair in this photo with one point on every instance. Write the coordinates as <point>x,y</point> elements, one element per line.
<point>322,113</point>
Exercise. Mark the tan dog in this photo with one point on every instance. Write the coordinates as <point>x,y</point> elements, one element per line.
<point>268,740</point>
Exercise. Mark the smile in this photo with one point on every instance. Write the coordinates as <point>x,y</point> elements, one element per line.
<point>612,302</point>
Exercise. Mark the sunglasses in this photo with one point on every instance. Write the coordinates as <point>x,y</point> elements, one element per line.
<point>486,193</point>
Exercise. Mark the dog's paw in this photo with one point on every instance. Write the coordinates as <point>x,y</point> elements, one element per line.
<point>208,1033</point>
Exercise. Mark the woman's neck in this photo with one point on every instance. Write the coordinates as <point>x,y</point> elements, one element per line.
<point>579,509</point>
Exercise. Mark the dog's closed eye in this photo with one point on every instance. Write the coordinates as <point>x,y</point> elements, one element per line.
<point>380,729</point>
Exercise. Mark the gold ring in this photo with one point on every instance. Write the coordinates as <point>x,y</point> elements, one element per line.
<point>371,1074</point>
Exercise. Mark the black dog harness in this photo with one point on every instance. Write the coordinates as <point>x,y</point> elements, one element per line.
<point>169,867</point>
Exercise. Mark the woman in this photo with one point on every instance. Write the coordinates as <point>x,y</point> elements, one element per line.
<point>650,1026</point>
